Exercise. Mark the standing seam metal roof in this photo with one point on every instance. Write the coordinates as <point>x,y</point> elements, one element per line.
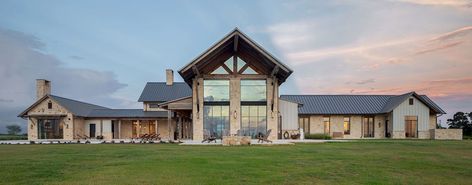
<point>161,92</point>
<point>353,104</point>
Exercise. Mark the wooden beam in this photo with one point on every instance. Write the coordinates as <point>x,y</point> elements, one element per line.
<point>227,69</point>
<point>275,71</point>
<point>243,68</point>
<point>195,70</point>
<point>235,46</point>
<point>235,64</point>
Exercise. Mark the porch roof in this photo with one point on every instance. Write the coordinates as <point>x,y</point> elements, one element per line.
<point>126,113</point>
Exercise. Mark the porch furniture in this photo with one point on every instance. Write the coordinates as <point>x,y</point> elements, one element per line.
<point>208,137</point>
<point>261,138</point>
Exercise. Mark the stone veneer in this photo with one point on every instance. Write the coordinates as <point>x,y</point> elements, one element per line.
<point>446,134</point>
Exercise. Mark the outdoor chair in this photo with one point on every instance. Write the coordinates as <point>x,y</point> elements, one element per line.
<point>208,137</point>
<point>261,138</point>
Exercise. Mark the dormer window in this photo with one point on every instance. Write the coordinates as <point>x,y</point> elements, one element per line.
<point>410,101</point>
<point>49,105</point>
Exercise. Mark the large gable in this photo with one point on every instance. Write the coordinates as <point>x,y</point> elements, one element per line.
<point>60,106</point>
<point>237,44</point>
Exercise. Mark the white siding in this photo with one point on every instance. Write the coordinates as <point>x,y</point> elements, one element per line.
<point>106,125</point>
<point>289,112</point>
<point>405,109</point>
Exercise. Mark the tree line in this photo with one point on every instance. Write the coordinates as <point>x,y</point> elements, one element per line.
<point>462,120</point>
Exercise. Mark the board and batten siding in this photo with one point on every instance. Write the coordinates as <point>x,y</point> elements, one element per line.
<point>104,124</point>
<point>405,109</point>
<point>289,112</point>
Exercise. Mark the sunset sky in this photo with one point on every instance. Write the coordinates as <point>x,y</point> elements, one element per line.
<point>104,52</point>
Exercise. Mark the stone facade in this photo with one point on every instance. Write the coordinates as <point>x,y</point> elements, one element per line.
<point>57,111</point>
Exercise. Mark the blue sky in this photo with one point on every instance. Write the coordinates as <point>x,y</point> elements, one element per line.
<point>104,52</point>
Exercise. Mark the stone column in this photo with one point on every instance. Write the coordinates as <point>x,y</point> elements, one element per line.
<point>138,128</point>
<point>197,90</point>
<point>272,115</point>
<point>235,105</point>
<point>119,129</point>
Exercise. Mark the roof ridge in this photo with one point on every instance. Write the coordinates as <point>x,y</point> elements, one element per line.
<point>78,101</point>
<point>165,82</point>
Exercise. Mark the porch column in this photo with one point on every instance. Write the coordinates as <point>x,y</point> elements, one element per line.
<point>138,128</point>
<point>119,129</point>
<point>180,127</point>
<point>169,119</point>
<point>156,127</point>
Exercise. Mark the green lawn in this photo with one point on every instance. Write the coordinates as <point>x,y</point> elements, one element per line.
<point>360,162</point>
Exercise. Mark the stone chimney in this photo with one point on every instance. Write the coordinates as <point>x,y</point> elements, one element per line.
<point>43,87</point>
<point>169,76</point>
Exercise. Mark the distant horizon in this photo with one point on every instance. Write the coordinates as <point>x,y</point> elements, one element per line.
<point>104,52</point>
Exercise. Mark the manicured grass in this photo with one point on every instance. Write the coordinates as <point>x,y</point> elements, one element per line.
<point>359,162</point>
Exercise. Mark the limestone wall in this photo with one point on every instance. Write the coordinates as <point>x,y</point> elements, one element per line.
<point>446,134</point>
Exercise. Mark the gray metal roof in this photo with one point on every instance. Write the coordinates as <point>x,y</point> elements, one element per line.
<point>354,104</point>
<point>78,108</point>
<point>126,113</point>
<point>161,92</point>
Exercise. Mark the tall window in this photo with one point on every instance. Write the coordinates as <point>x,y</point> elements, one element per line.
<point>368,126</point>
<point>411,126</point>
<point>253,91</point>
<point>253,107</point>
<point>216,108</point>
<point>50,129</point>
<point>411,101</point>
<point>304,122</point>
<point>347,125</point>
<point>326,123</point>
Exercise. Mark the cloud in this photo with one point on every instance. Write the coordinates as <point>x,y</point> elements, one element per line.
<point>453,3</point>
<point>447,40</point>
<point>23,59</point>
<point>76,57</point>
<point>382,47</point>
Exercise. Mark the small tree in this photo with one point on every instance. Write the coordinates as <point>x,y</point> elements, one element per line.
<point>461,120</point>
<point>13,129</point>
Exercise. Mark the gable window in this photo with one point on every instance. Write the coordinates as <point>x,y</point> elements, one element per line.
<point>49,105</point>
<point>410,101</point>
<point>234,65</point>
<point>347,125</point>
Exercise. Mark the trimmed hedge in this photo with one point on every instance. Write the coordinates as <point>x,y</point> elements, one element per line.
<point>13,137</point>
<point>317,136</point>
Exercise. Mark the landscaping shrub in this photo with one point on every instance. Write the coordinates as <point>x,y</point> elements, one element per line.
<point>317,136</point>
<point>13,137</point>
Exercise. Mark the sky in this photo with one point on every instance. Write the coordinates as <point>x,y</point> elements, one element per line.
<point>104,52</point>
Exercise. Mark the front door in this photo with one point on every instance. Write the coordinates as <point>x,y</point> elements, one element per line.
<point>92,130</point>
<point>411,126</point>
